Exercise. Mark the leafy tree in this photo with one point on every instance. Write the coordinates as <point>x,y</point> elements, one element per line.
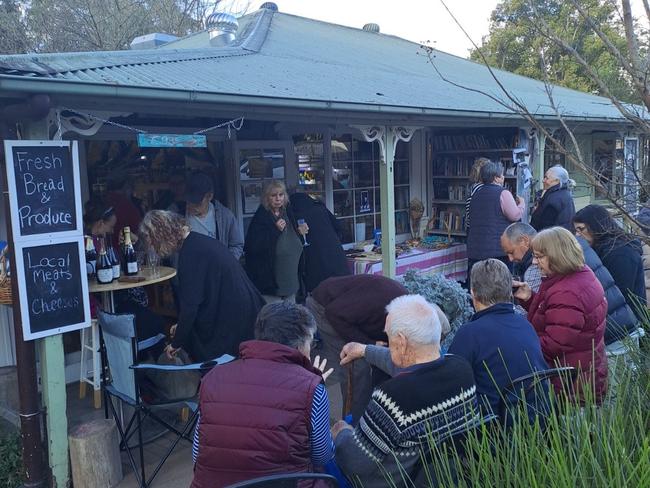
<point>517,43</point>
<point>13,35</point>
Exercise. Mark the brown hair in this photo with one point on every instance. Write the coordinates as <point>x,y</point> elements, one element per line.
<point>475,172</point>
<point>163,231</point>
<point>564,253</point>
<point>269,188</point>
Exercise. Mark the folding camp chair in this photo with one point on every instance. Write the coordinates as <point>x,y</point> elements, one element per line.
<point>292,480</point>
<point>534,392</point>
<point>123,383</point>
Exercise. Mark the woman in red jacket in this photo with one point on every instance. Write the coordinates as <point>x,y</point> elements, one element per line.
<point>569,310</point>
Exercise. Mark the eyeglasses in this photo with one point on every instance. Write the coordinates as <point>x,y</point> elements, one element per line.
<point>539,256</point>
<point>107,213</point>
<point>580,229</point>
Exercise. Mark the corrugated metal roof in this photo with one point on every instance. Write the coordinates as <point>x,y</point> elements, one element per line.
<point>293,58</point>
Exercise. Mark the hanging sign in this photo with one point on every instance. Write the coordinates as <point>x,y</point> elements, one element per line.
<point>171,140</point>
<point>53,287</point>
<point>44,191</point>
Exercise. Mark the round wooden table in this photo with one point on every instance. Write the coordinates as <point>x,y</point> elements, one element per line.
<point>164,273</point>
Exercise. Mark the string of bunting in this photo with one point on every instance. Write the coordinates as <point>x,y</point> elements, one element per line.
<point>235,124</point>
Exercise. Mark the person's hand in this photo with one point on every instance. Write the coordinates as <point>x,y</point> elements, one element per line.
<point>321,365</point>
<point>171,351</point>
<point>519,200</point>
<point>281,224</point>
<point>352,351</point>
<point>303,229</point>
<point>339,426</point>
<point>523,291</point>
<point>172,330</point>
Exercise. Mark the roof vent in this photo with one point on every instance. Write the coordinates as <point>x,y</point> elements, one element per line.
<point>150,41</point>
<point>222,28</point>
<point>371,28</point>
<point>273,7</point>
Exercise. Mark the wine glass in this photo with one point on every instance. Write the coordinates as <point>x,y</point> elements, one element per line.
<point>302,222</point>
<point>154,263</point>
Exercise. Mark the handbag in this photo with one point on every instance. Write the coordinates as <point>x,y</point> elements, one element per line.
<point>174,385</point>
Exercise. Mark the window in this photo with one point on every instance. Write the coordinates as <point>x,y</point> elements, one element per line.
<point>309,150</point>
<point>355,175</point>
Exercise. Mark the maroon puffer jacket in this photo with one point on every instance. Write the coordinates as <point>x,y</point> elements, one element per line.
<point>569,314</point>
<point>256,416</point>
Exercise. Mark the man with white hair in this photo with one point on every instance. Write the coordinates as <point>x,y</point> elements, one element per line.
<point>554,204</point>
<point>431,396</point>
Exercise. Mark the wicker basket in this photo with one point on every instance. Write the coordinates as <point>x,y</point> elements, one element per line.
<point>5,280</point>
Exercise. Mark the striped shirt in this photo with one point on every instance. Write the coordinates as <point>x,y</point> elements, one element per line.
<point>322,446</point>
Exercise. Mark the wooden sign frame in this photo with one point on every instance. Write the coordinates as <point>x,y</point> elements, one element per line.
<point>28,333</point>
<point>13,191</point>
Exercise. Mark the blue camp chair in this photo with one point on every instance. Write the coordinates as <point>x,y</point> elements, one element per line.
<point>123,382</point>
<point>292,480</point>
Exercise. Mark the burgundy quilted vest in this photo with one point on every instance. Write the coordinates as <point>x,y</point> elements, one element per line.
<point>255,416</point>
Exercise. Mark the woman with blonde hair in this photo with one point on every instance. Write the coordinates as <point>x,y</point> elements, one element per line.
<point>569,311</point>
<point>217,302</point>
<point>273,246</point>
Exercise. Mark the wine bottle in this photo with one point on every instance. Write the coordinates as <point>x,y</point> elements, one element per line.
<point>112,256</point>
<point>91,256</point>
<point>104,266</point>
<point>130,259</point>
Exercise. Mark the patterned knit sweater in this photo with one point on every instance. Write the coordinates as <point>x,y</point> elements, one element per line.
<point>436,398</point>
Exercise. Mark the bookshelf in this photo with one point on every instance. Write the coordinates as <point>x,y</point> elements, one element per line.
<point>453,155</point>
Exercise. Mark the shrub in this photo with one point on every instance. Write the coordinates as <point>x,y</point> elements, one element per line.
<point>10,461</point>
<point>446,293</point>
<point>582,445</point>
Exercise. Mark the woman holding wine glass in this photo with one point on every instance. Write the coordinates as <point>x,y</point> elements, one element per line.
<point>274,246</point>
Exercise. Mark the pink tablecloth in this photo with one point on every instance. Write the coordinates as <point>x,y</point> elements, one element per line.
<point>452,262</point>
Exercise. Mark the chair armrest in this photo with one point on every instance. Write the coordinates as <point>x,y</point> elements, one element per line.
<point>151,341</point>
<point>225,358</point>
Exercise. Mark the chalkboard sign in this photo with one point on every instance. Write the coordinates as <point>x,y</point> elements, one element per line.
<point>53,287</point>
<point>43,179</point>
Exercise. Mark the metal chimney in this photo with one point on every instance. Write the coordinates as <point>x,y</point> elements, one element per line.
<point>273,7</point>
<point>371,28</point>
<point>222,28</point>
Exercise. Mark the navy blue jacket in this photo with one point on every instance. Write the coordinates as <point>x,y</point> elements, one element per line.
<point>620,318</point>
<point>555,208</point>
<point>501,346</point>
<point>623,260</point>
<point>488,223</point>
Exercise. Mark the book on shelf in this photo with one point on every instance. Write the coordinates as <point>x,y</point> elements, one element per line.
<point>447,220</point>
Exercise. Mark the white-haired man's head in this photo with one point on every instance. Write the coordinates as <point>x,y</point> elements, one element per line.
<point>413,329</point>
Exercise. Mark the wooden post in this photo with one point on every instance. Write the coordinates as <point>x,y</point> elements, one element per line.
<point>54,397</point>
<point>53,374</point>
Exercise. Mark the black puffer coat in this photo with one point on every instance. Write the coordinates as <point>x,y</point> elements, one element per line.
<point>621,321</point>
<point>259,249</point>
<point>622,258</point>
<point>555,208</point>
<point>324,256</point>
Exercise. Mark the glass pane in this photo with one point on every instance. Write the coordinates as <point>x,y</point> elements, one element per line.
<point>364,151</point>
<point>363,175</point>
<point>377,201</point>
<point>311,176</point>
<point>251,164</point>
<point>275,158</point>
<point>401,169</point>
<point>251,194</point>
<point>402,222</point>
<point>369,221</point>
<point>363,201</point>
<point>347,230</point>
<point>307,151</point>
<point>401,197</point>
<point>341,175</point>
<point>343,203</point>
<point>402,150</point>
<point>341,148</point>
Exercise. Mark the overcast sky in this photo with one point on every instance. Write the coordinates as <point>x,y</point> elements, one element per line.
<point>415,20</point>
